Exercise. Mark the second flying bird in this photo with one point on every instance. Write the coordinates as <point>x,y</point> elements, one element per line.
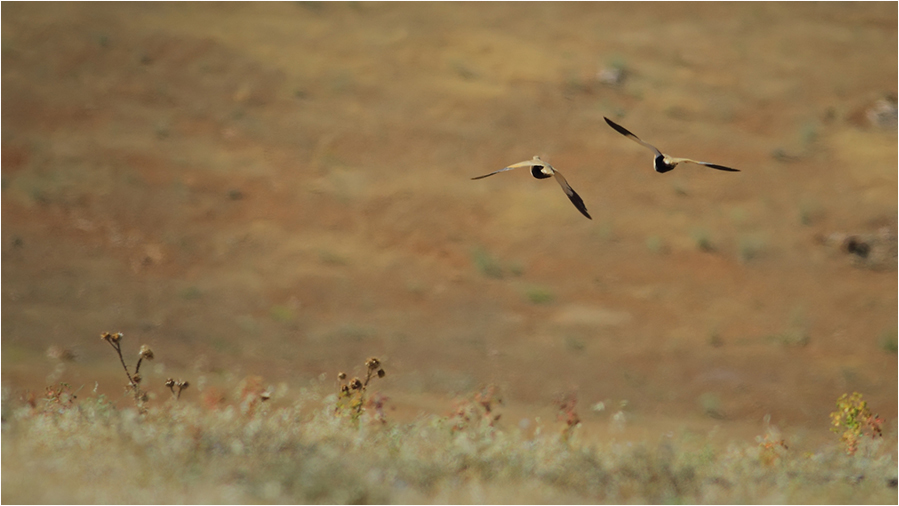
<point>543,170</point>
<point>662,163</point>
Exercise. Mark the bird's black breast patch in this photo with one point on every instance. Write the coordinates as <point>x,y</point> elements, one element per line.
<point>661,166</point>
<point>536,171</point>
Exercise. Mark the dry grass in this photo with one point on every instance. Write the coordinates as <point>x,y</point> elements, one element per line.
<point>340,447</point>
<point>86,450</point>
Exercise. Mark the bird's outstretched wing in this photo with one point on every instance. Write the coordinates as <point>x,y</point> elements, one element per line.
<point>627,133</point>
<point>572,195</point>
<point>529,163</point>
<point>707,164</point>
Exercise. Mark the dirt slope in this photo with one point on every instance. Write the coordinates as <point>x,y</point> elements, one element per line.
<point>283,190</point>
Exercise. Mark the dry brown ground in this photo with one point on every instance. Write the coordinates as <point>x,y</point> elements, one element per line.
<point>283,190</point>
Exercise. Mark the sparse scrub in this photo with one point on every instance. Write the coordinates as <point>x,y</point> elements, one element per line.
<point>771,449</point>
<point>539,295</point>
<point>710,404</point>
<point>702,239</point>
<point>808,134</point>
<point>797,334</point>
<point>516,269</point>
<point>614,73</point>
<point>855,420</point>
<point>478,412</point>
<point>486,264</point>
<point>750,247</point>
<point>302,453</point>
<point>567,405</point>
<point>492,267</point>
<point>887,341</point>
<point>574,344</point>
<point>282,313</point>
<point>795,337</point>
<point>352,400</point>
<point>464,70</point>
<point>59,397</point>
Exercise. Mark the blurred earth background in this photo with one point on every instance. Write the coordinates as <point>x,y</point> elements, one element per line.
<point>283,190</point>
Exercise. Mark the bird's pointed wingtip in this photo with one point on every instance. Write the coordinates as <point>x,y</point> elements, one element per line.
<point>722,167</point>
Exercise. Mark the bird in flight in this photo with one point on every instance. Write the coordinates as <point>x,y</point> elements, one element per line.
<point>543,170</point>
<point>662,163</point>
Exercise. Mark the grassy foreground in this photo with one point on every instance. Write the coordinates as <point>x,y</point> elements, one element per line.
<point>86,450</point>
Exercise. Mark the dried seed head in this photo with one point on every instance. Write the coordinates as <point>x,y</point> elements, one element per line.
<point>112,338</point>
<point>182,384</point>
<point>356,384</point>
<point>381,373</point>
<point>345,389</point>
<point>373,363</point>
<point>341,375</point>
<point>170,382</point>
<point>136,378</point>
<point>146,352</point>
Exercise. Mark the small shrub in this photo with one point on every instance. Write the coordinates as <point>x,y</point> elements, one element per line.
<point>567,406</point>
<point>711,405</point>
<point>351,399</point>
<point>486,264</point>
<point>771,449</point>
<point>574,344</point>
<point>539,295</point>
<point>855,420</point>
<point>790,338</point>
<point>887,341</point>
<point>58,398</point>
<point>703,240</point>
<point>282,313</point>
<point>750,247</point>
<point>478,412</point>
<point>809,134</point>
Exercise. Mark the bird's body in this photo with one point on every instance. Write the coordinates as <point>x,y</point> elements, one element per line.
<point>542,170</point>
<point>662,163</point>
